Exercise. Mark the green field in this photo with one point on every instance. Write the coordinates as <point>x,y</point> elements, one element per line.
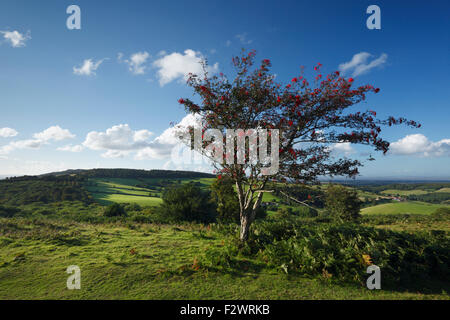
<point>411,207</point>
<point>108,190</point>
<point>404,192</point>
<point>145,261</point>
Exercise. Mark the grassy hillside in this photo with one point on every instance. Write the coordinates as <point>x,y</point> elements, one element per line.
<point>402,207</point>
<point>144,261</point>
<point>50,222</point>
<point>143,191</point>
<point>403,192</point>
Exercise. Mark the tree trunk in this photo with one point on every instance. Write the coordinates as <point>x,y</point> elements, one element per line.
<point>247,217</point>
<point>245,227</point>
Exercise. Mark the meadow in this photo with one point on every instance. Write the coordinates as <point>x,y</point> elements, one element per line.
<point>411,207</point>
<point>150,261</point>
<point>138,256</point>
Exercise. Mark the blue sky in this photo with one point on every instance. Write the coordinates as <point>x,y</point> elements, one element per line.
<point>55,113</point>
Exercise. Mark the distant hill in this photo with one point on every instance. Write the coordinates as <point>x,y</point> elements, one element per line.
<point>131,173</point>
<point>73,185</point>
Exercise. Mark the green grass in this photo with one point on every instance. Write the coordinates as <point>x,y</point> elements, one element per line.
<point>443,190</point>
<point>108,190</point>
<point>412,207</point>
<point>119,198</point>
<point>34,256</point>
<point>404,192</point>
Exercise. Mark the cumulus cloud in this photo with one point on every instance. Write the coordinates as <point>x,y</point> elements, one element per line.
<point>342,148</point>
<point>420,145</point>
<point>117,141</point>
<point>88,67</point>
<point>15,38</point>
<point>359,64</point>
<point>115,154</point>
<point>176,66</point>
<point>136,62</point>
<point>21,144</point>
<point>71,148</point>
<point>55,133</point>
<point>8,132</point>
<point>162,146</point>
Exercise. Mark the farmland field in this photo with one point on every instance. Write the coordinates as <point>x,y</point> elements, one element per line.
<point>410,207</point>
<point>109,190</point>
<point>403,192</point>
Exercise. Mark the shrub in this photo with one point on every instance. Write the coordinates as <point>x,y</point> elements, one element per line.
<point>8,212</point>
<point>187,202</point>
<point>342,203</point>
<point>225,200</point>
<point>441,213</point>
<point>132,207</point>
<point>345,251</point>
<point>305,212</point>
<point>114,210</point>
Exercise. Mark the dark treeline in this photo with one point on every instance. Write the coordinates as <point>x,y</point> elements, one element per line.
<point>405,186</point>
<point>25,190</point>
<point>435,197</point>
<point>134,173</point>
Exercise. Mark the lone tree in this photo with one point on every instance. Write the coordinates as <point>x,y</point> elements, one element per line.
<point>342,203</point>
<point>310,119</point>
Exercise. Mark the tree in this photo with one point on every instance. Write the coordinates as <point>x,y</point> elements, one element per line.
<point>115,210</point>
<point>309,118</point>
<point>225,199</point>
<point>187,202</point>
<point>342,203</point>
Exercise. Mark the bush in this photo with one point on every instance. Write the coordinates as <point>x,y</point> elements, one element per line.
<point>187,202</point>
<point>8,212</point>
<point>441,213</point>
<point>342,203</point>
<point>345,251</point>
<point>132,207</point>
<point>225,200</point>
<point>114,210</point>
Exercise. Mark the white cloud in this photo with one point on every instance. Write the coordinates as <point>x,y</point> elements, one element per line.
<point>419,145</point>
<point>243,38</point>
<point>88,67</point>
<point>177,66</point>
<point>21,144</point>
<point>15,38</point>
<point>112,154</point>
<point>20,167</point>
<point>342,148</point>
<point>228,43</point>
<point>360,65</point>
<point>8,132</point>
<point>161,147</point>
<point>117,138</point>
<point>71,148</point>
<point>136,62</point>
<point>55,133</point>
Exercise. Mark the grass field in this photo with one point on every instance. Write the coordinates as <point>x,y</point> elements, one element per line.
<point>412,207</point>
<point>145,261</point>
<point>404,192</point>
